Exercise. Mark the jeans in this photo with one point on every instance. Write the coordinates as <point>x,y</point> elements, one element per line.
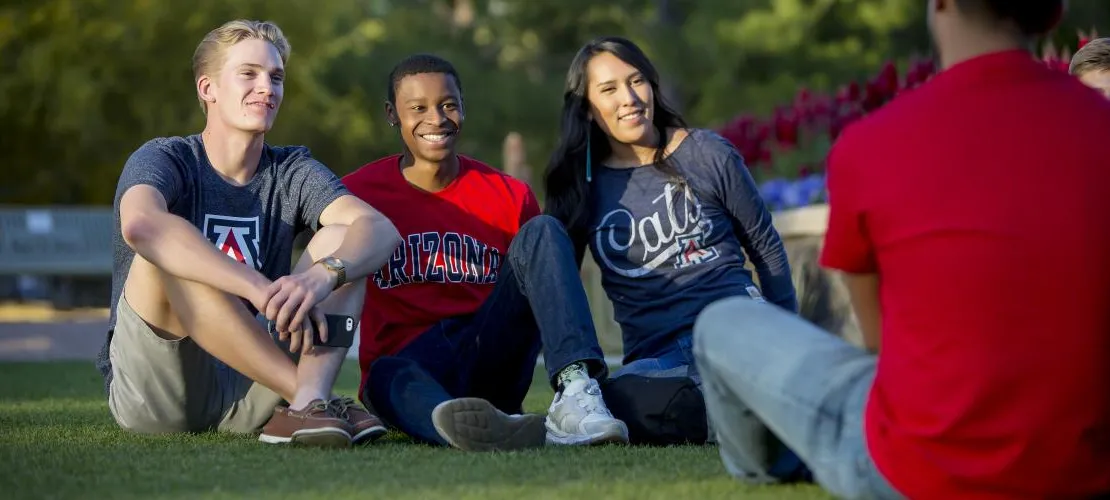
<point>782,464</point>
<point>807,385</point>
<point>491,354</point>
<point>676,362</point>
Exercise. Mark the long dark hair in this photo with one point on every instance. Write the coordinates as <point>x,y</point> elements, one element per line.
<point>567,190</point>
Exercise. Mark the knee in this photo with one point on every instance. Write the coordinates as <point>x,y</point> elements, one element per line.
<point>720,322</point>
<point>543,226</point>
<point>541,231</point>
<point>385,364</point>
<point>384,370</point>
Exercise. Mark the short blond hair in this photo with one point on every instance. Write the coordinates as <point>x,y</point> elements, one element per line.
<point>211,51</point>
<point>1095,56</point>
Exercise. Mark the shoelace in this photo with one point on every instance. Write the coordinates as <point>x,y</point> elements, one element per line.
<point>340,406</point>
<point>591,402</point>
<point>323,406</point>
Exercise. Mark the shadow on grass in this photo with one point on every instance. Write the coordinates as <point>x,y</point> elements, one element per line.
<point>59,440</point>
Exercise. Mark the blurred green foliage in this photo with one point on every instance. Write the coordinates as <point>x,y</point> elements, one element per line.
<point>85,82</point>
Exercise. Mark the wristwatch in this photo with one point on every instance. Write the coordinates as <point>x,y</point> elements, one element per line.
<point>336,266</point>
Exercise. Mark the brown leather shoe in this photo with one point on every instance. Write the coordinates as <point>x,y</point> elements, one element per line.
<point>365,427</point>
<point>315,425</point>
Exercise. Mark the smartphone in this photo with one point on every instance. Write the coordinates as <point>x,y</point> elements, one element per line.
<point>341,331</point>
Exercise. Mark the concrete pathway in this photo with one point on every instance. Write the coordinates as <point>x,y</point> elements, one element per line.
<point>51,341</point>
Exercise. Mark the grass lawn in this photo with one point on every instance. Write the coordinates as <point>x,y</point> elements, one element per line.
<point>57,440</point>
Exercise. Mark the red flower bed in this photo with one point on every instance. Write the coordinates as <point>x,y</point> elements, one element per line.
<point>793,141</point>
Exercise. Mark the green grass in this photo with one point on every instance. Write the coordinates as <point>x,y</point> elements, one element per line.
<point>57,440</point>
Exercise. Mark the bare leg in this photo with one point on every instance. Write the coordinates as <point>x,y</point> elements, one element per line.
<point>316,371</point>
<point>221,324</point>
<point>218,322</point>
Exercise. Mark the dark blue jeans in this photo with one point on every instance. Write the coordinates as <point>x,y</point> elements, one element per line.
<point>538,302</point>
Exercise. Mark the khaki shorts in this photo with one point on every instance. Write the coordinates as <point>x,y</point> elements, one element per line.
<point>168,386</point>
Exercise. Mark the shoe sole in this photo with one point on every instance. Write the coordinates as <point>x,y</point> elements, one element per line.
<point>473,424</point>
<point>369,435</point>
<point>320,438</point>
<point>618,436</point>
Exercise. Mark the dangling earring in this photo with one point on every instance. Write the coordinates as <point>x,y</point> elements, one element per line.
<point>589,169</point>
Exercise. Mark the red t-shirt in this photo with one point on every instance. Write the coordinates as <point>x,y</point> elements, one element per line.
<point>981,201</point>
<point>454,243</point>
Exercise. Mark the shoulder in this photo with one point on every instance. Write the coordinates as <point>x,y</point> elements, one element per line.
<point>372,177</point>
<point>495,187</point>
<point>374,170</point>
<point>1075,104</point>
<point>494,177</point>
<point>708,146</point>
<point>184,149</point>
<point>293,156</point>
<point>706,156</point>
<point>910,110</point>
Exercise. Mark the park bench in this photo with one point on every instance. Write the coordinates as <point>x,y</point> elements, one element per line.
<point>67,249</point>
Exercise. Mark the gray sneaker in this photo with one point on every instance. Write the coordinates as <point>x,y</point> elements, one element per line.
<point>474,424</point>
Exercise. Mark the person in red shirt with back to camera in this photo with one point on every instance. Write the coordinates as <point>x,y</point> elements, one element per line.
<point>968,217</point>
<point>454,321</point>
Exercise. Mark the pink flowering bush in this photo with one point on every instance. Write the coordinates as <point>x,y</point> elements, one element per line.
<point>786,151</point>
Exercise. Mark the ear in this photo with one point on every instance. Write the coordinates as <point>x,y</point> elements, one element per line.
<point>391,114</point>
<point>942,5</point>
<point>205,89</point>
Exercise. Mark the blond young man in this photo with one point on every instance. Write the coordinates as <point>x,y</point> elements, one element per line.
<point>1091,64</point>
<point>202,288</point>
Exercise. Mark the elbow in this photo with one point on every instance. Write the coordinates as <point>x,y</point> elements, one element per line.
<point>138,229</point>
<point>386,230</point>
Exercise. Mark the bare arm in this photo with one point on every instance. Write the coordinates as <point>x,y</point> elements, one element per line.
<point>177,247</point>
<point>370,240</point>
<point>863,290</point>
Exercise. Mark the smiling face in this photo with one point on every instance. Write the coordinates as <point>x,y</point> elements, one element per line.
<point>246,92</point>
<point>428,110</point>
<point>621,99</point>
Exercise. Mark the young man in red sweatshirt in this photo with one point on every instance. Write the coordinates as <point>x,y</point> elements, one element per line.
<point>456,318</point>
<point>968,217</point>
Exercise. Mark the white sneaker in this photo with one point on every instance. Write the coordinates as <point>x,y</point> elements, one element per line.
<point>578,416</point>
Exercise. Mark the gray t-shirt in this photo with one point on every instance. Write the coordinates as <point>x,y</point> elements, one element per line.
<point>667,252</point>
<point>255,223</point>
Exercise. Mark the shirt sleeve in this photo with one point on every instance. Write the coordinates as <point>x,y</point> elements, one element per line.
<point>740,196</point>
<point>847,246</point>
<point>314,187</point>
<point>152,165</point>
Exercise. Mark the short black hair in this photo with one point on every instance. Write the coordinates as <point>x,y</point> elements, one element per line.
<point>1032,17</point>
<point>417,64</point>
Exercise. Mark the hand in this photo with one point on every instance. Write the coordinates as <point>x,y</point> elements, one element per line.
<point>300,339</point>
<point>260,295</point>
<point>293,296</point>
